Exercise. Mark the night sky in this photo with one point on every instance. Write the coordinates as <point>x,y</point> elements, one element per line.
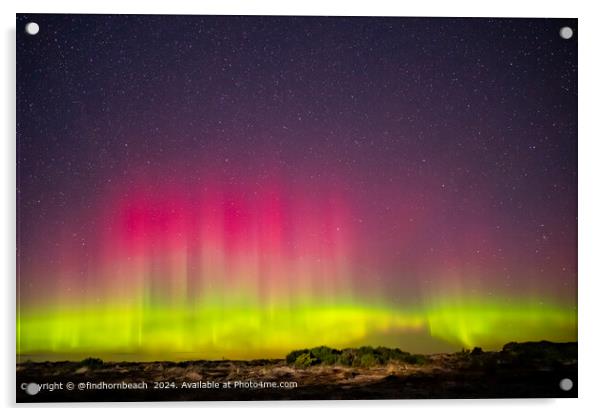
<point>215,186</point>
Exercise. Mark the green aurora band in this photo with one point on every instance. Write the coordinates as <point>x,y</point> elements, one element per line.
<point>213,330</point>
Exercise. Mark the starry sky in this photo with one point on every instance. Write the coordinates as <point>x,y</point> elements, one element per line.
<point>231,186</point>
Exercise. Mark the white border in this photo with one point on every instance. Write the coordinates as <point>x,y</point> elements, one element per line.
<point>590,202</point>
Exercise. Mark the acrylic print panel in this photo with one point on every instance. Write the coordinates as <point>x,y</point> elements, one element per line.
<point>259,208</point>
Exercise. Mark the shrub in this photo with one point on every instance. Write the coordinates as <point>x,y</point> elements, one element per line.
<point>368,360</point>
<point>325,355</point>
<point>356,357</point>
<point>417,359</point>
<point>92,362</point>
<point>365,350</point>
<point>346,358</point>
<point>293,355</point>
<point>305,360</point>
<point>477,351</point>
<point>392,354</point>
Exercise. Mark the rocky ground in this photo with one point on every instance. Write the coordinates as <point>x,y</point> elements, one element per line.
<point>519,370</point>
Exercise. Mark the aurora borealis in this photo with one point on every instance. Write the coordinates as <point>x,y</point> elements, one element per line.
<point>211,186</point>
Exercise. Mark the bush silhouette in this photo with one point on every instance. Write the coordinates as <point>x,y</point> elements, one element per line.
<point>346,358</point>
<point>293,355</point>
<point>92,362</point>
<point>306,360</point>
<point>365,356</point>
<point>477,351</point>
<point>325,354</point>
<point>368,360</point>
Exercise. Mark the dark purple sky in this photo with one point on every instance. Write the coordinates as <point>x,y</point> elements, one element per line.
<point>445,148</point>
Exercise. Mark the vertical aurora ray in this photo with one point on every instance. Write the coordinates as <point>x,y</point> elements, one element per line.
<point>219,206</point>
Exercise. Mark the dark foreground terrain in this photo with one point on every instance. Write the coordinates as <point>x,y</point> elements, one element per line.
<point>519,370</point>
